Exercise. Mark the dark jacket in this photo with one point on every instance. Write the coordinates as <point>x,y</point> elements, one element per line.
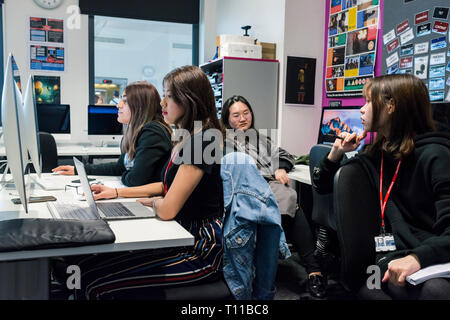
<point>153,147</point>
<point>418,210</point>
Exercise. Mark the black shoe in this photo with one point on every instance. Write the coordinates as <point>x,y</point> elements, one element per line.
<point>317,285</point>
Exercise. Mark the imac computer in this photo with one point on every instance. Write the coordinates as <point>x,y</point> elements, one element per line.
<point>29,125</point>
<point>103,127</point>
<point>54,119</point>
<point>338,119</point>
<point>11,102</point>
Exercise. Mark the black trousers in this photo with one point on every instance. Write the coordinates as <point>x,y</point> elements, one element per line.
<point>433,289</point>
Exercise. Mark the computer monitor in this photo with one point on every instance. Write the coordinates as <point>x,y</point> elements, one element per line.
<point>103,127</point>
<point>11,102</point>
<point>334,120</point>
<point>54,118</point>
<point>29,124</point>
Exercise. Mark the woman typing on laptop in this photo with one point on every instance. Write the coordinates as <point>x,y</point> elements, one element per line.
<point>190,192</point>
<point>146,143</point>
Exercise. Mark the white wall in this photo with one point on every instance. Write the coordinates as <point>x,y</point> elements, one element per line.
<point>303,37</point>
<point>74,80</point>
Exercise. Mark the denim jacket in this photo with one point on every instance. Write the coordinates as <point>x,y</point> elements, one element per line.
<point>253,236</point>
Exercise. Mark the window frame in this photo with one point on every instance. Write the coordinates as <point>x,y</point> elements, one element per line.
<point>91,48</point>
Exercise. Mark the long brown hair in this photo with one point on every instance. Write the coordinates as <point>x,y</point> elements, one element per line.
<point>144,102</point>
<point>191,90</point>
<point>411,115</point>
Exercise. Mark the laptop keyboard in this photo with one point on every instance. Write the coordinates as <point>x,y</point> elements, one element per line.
<point>114,209</point>
<point>68,210</point>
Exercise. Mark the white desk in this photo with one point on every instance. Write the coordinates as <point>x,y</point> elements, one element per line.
<point>301,174</point>
<point>66,150</point>
<point>25,274</point>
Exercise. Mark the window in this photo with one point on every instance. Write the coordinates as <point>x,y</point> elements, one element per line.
<point>127,50</point>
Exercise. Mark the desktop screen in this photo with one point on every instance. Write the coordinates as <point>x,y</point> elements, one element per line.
<point>102,120</point>
<point>53,118</point>
<point>337,119</point>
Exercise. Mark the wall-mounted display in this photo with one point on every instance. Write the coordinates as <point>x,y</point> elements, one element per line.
<point>352,43</point>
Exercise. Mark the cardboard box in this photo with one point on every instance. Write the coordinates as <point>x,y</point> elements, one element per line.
<point>241,50</point>
<point>269,50</point>
<point>224,39</point>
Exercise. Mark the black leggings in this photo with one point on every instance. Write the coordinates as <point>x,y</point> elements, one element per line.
<point>433,289</point>
<point>303,240</point>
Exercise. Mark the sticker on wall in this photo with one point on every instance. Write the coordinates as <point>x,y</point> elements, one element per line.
<point>421,17</point>
<point>440,27</point>
<point>406,62</point>
<point>436,84</point>
<point>393,70</point>
<point>423,29</point>
<point>440,13</point>
<point>437,58</point>
<point>407,36</point>
<point>407,50</point>
<point>438,43</point>
<point>421,67</point>
<point>437,71</point>
<point>420,48</point>
<point>436,96</point>
<point>388,37</point>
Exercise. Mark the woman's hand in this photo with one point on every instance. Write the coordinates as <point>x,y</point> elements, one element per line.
<point>149,202</point>
<point>281,176</point>
<point>64,170</point>
<point>103,192</point>
<point>349,142</point>
<point>399,269</point>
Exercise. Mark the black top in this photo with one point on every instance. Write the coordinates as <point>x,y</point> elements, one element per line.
<point>420,219</point>
<point>153,147</point>
<point>206,201</point>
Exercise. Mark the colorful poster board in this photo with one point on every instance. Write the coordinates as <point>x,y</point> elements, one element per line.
<point>351,46</point>
<point>421,27</point>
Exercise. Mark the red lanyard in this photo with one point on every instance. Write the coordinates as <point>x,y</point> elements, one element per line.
<point>383,204</point>
<point>167,169</point>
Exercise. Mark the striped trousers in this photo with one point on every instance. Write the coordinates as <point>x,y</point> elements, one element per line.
<point>142,274</point>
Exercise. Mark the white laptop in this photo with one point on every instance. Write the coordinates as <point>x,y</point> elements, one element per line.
<point>97,210</point>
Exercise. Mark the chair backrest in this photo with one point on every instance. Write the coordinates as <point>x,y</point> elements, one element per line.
<point>322,208</point>
<point>49,151</point>
<point>356,207</point>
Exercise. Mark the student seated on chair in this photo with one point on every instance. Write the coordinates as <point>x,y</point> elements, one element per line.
<point>414,160</point>
<point>146,143</point>
<point>190,193</point>
<point>274,164</point>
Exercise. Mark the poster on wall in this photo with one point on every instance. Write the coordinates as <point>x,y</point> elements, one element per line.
<point>49,58</point>
<point>47,89</point>
<point>300,80</point>
<point>352,43</point>
<point>46,30</point>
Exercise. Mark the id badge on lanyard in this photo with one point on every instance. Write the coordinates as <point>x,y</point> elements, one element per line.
<point>385,241</point>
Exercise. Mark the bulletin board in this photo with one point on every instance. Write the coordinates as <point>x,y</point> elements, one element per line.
<point>416,40</point>
<point>347,64</point>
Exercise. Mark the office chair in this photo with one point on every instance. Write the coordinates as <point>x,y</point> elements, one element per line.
<point>356,208</point>
<point>49,152</point>
<point>322,209</point>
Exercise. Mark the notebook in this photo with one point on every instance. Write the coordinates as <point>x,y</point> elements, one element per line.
<point>97,210</point>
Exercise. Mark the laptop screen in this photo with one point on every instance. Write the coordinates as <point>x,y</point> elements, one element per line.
<point>339,119</point>
<point>85,186</point>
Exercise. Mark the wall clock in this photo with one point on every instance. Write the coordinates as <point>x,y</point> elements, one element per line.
<point>48,4</point>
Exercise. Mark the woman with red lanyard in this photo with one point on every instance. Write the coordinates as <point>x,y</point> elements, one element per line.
<point>190,193</point>
<point>412,161</point>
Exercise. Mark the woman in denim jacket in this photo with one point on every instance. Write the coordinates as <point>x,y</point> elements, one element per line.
<point>250,266</point>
